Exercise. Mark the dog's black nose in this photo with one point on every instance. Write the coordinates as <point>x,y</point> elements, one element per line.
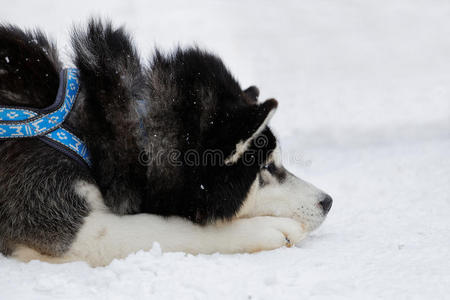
<point>326,204</point>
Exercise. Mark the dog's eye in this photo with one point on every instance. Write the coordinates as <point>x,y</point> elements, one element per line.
<point>269,167</point>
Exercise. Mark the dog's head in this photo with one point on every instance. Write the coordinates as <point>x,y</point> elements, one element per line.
<point>276,191</point>
<point>227,161</point>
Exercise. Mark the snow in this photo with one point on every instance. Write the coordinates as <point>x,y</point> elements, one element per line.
<point>364,89</point>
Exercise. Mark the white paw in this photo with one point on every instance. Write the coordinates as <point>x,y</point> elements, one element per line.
<point>264,233</point>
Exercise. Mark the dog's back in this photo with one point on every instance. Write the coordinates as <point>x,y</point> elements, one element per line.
<point>29,68</point>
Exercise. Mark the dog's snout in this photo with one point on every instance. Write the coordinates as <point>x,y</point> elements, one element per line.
<point>326,204</point>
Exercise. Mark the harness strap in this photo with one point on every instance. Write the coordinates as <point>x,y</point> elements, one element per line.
<point>46,124</point>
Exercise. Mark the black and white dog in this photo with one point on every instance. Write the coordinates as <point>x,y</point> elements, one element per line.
<point>181,156</point>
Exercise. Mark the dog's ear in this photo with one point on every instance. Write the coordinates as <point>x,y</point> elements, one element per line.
<point>256,117</point>
<point>29,68</point>
<point>250,123</point>
<point>252,92</point>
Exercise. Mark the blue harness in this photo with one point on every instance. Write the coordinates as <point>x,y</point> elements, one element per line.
<point>46,124</point>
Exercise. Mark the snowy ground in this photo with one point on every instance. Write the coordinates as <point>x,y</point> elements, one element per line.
<point>364,92</point>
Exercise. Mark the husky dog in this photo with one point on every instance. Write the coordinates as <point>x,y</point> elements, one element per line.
<point>181,156</point>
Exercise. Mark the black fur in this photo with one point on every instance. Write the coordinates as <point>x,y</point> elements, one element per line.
<point>111,82</point>
<point>194,105</point>
<point>197,105</point>
<point>29,67</point>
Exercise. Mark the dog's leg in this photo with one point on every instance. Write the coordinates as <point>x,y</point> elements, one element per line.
<point>106,236</point>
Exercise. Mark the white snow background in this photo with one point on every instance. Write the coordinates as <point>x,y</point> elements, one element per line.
<point>364,93</point>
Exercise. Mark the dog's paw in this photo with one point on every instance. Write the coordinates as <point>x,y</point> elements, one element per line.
<point>265,233</point>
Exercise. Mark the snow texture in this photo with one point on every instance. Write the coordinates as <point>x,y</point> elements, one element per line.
<point>364,92</point>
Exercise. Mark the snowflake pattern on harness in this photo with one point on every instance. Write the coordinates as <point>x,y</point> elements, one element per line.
<point>12,115</point>
<point>61,136</point>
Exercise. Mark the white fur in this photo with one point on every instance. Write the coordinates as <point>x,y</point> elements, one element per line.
<point>105,236</point>
<point>293,198</point>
